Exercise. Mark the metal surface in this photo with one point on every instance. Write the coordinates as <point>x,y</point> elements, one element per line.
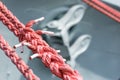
<point>71,18</point>
<point>115,2</point>
<point>100,62</point>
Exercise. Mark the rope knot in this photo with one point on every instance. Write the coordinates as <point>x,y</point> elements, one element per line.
<point>49,56</point>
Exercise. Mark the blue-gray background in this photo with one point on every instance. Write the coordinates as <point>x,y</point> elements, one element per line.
<point>100,62</point>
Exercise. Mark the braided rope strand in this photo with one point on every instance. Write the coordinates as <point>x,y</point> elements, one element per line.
<point>20,64</point>
<point>10,16</point>
<point>97,4</point>
<point>48,55</point>
<point>108,8</point>
<point>7,22</point>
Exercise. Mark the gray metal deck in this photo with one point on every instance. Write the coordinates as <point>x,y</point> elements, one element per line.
<point>100,62</point>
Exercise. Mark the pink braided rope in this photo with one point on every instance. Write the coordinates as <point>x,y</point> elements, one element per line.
<point>20,64</point>
<point>102,7</point>
<point>48,55</point>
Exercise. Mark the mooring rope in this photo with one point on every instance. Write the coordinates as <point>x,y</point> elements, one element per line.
<point>27,36</point>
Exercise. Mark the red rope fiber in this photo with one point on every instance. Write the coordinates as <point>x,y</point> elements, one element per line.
<point>20,64</point>
<point>102,7</point>
<point>48,55</point>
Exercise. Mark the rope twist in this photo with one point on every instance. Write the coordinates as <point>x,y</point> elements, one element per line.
<point>48,55</point>
<point>20,64</point>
